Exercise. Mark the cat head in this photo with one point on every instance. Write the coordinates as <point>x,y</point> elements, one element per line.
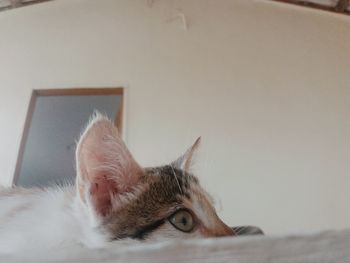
<point>126,200</point>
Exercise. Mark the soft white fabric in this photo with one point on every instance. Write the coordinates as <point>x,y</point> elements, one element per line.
<point>332,246</point>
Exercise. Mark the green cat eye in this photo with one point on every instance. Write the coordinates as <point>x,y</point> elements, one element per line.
<point>182,220</point>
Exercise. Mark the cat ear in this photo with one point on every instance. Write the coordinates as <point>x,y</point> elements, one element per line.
<point>105,167</point>
<point>184,162</point>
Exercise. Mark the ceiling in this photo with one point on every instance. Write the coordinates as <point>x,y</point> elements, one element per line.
<point>338,6</point>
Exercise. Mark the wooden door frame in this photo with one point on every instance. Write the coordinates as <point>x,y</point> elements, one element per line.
<point>118,121</point>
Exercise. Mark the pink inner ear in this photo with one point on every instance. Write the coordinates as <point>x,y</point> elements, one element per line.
<point>105,165</point>
<point>102,190</point>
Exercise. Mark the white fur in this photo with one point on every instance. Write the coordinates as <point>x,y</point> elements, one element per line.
<point>63,222</point>
<point>55,218</point>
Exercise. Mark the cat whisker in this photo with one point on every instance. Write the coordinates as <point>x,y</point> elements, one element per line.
<point>241,229</point>
<point>177,181</point>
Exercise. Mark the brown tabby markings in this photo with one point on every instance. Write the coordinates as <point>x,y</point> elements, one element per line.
<point>162,197</point>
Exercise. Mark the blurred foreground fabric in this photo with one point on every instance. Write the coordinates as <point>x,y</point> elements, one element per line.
<point>331,246</point>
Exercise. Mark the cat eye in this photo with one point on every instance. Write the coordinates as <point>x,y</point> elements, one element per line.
<point>182,220</point>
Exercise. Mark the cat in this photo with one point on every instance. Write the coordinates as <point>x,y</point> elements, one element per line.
<point>113,199</point>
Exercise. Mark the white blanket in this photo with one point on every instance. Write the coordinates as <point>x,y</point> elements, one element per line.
<point>332,246</point>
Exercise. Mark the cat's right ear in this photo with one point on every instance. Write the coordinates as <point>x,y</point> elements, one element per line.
<point>105,167</point>
<point>185,161</point>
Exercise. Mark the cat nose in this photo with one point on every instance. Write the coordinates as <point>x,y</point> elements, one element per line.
<point>226,231</point>
<point>218,230</point>
<point>223,230</point>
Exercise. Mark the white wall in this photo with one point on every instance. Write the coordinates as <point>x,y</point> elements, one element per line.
<point>266,85</point>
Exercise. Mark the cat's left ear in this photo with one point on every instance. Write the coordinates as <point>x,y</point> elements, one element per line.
<point>105,167</point>
<point>185,161</point>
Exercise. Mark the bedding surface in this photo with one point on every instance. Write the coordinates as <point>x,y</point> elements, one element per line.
<point>331,246</point>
